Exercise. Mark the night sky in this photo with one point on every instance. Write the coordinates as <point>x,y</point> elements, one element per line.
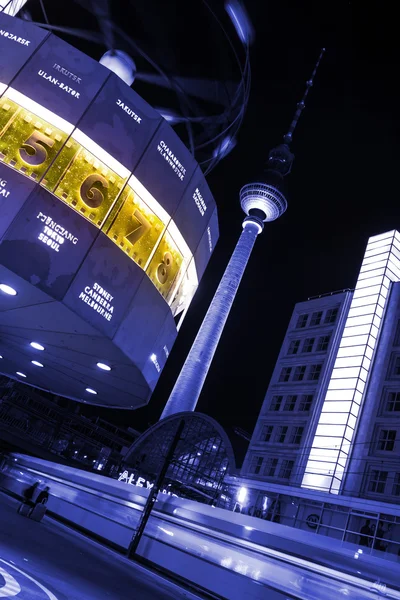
<point>341,190</point>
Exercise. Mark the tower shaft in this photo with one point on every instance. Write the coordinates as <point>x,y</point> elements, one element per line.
<point>188,386</point>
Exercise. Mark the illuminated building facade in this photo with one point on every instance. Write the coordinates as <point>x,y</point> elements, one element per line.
<point>106,225</point>
<point>330,421</point>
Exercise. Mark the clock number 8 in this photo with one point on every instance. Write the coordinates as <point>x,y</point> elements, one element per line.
<point>164,268</point>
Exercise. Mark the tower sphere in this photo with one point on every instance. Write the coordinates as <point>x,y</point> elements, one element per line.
<point>263,197</point>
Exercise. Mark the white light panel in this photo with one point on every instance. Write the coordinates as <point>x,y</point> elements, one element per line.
<point>332,443</point>
<point>11,7</point>
<point>39,110</point>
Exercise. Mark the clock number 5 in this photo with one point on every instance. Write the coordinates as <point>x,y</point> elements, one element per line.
<point>36,143</point>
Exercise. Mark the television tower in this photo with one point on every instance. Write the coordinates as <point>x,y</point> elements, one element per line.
<point>262,201</point>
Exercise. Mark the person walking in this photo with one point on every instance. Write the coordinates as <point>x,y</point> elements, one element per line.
<point>365,532</point>
<point>40,507</point>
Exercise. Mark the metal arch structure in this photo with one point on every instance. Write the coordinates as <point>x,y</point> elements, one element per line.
<point>204,454</point>
<point>207,110</point>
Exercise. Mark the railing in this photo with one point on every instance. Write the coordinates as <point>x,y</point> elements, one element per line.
<point>234,555</point>
<point>331,294</point>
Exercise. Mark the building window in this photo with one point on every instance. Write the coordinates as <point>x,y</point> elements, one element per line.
<point>256,464</point>
<point>305,402</point>
<point>266,433</point>
<point>396,485</point>
<point>296,435</point>
<point>301,321</point>
<point>323,343</point>
<point>276,402</point>
<point>290,402</point>
<point>331,315</point>
<point>294,347</point>
<point>281,434</point>
<point>377,482</point>
<point>397,366</point>
<point>387,438</point>
<point>299,373</point>
<point>286,469</point>
<point>308,345</point>
<point>285,374</point>
<point>316,318</point>
<point>270,467</point>
<point>393,402</point>
<point>315,372</point>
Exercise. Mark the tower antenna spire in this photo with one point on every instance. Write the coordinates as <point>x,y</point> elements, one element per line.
<point>300,106</point>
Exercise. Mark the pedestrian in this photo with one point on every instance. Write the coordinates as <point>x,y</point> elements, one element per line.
<point>365,532</point>
<point>39,510</point>
<point>388,536</point>
<point>30,493</point>
<point>378,544</point>
<point>43,496</point>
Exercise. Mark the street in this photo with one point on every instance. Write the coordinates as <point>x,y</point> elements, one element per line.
<point>48,561</point>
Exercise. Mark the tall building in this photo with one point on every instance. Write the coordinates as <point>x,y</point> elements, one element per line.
<point>329,427</point>
<point>262,201</point>
<point>283,435</point>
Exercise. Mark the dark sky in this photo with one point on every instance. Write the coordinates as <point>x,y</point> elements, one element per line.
<point>342,189</point>
<point>309,250</point>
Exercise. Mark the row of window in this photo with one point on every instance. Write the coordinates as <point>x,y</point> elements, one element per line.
<point>317,318</point>
<point>300,373</point>
<point>271,467</point>
<point>381,482</point>
<point>396,369</point>
<point>308,345</point>
<point>292,402</point>
<point>392,402</point>
<point>386,440</point>
<point>279,434</point>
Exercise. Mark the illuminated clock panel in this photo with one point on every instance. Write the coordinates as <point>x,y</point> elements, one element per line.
<point>38,144</point>
<point>28,141</point>
<point>135,227</point>
<point>106,223</point>
<point>88,183</point>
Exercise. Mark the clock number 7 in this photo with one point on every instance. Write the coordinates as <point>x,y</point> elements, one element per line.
<point>139,231</point>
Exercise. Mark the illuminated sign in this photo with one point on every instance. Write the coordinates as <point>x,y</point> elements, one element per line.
<point>129,111</point>
<point>99,300</point>
<point>132,479</point>
<point>3,189</point>
<point>199,200</point>
<point>14,38</point>
<point>53,234</point>
<point>172,160</point>
<point>67,73</point>
<point>210,244</point>
<point>60,84</point>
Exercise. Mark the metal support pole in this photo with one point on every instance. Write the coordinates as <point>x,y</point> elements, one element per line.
<point>154,491</point>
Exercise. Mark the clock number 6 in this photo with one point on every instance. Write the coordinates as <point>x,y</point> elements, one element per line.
<point>36,144</point>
